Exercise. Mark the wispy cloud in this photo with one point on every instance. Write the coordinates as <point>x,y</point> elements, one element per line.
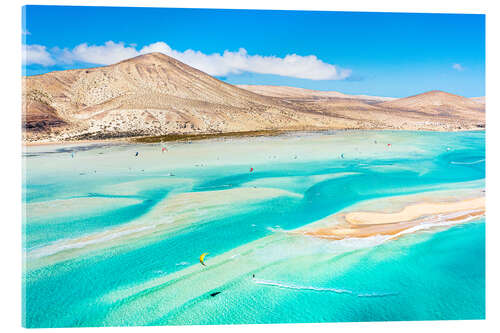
<point>37,54</point>
<point>458,67</point>
<point>217,64</point>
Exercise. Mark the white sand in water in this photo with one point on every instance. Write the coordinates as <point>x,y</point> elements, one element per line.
<point>172,213</point>
<point>74,207</point>
<point>241,152</point>
<point>415,211</point>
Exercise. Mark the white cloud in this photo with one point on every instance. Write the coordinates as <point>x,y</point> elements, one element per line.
<point>292,65</point>
<point>458,67</point>
<point>37,54</point>
<point>106,54</point>
<point>304,67</point>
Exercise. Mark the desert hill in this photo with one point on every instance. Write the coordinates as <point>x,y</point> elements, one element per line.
<point>154,94</point>
<point>151,94</point>
<point>435,102</point>
<point>293,92</point>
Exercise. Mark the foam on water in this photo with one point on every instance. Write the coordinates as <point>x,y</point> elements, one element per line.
<point>321,289</point>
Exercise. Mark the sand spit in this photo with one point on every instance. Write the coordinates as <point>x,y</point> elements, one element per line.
<point>413,212</point>
<point>413,217</point>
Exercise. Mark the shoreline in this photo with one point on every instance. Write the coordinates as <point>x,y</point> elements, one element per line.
<point>71,142</point>
<point>176,137</point>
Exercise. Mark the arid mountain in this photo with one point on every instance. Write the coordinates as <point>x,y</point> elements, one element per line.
<point>151,94</point>
<point>435,103</point>
<point>480,100</point>
<point>293,92</point>
<point>154,94</point>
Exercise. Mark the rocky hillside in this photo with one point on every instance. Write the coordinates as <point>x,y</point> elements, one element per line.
<point>154,94</point>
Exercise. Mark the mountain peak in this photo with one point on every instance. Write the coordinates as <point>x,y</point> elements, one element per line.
<point>149,58</point>
<point>438,93</point>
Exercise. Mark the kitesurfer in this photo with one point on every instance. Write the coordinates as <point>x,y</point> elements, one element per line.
<point>202,258</point>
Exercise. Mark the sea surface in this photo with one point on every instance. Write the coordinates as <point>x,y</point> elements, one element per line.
<point>113,232</point>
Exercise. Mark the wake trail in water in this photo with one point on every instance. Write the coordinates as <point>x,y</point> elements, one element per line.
<point>321,289</point>
<point>473,162</point>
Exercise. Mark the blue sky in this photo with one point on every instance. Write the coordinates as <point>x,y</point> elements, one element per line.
<point>384,54</point>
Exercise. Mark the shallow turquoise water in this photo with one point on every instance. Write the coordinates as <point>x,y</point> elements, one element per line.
<point>418,278</point>
<point>423,276</point>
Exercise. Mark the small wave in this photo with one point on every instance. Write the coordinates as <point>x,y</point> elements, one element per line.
<point>473,162</point>
<point>431,223</point>
<point>276,228</point>
<point>182,263</point>
<point>321,289</point>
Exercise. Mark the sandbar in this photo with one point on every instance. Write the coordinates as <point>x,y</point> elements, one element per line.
<point>413,217</point>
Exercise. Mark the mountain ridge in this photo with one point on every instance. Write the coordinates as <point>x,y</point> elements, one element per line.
<point>154,94</point>
<point>291,92</point>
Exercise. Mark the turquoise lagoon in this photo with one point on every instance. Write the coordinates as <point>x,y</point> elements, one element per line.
<point>113,239</point>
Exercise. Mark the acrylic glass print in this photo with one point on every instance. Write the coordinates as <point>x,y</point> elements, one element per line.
<point>185,166</point>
